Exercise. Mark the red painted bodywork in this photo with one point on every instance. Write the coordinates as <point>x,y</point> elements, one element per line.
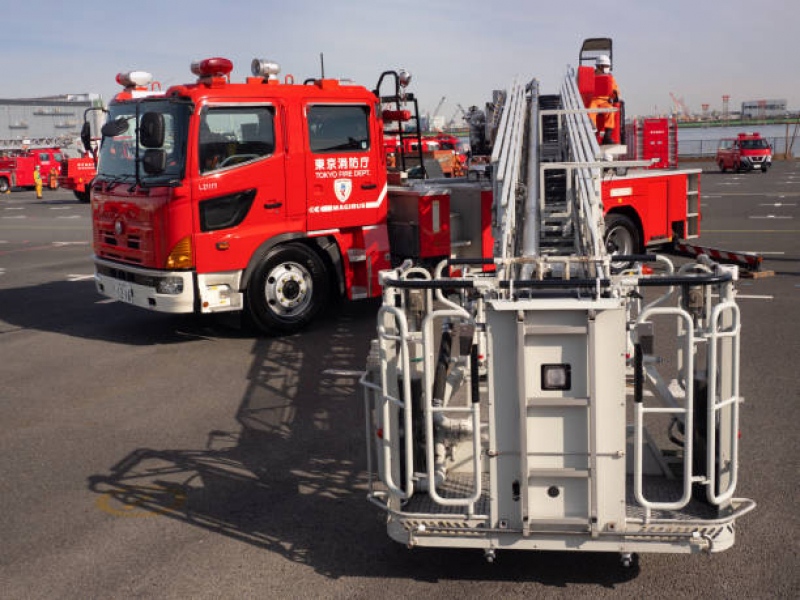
<point>18,170</point>
<point>732,158</point>
<point>647,139</point>
<point>76,173</point>
<point>659,201</point>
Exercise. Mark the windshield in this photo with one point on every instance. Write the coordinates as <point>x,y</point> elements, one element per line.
<point>754,144</point>
<point>118,154</point>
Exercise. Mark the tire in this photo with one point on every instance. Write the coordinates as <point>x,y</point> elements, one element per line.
<point>287,289</point>
<point>4,187</point>
<point>621,237</point>
<point>764,168</point>
<point>722,167</point>
<point>82,196</point>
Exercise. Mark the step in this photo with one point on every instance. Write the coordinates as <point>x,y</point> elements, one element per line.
<point>356,255</point>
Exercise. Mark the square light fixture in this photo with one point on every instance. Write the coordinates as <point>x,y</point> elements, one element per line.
<point>556,377</point>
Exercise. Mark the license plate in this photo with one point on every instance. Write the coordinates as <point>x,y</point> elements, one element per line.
<point>124,291</point>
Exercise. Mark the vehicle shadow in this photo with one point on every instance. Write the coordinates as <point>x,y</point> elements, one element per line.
<point>75,308</point>
<point>292,480</point>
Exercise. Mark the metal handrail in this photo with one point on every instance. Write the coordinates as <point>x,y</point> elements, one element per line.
<point>687,411</point>
<point>429,410</point>
<point>406,403</point>
<point>713,407</point>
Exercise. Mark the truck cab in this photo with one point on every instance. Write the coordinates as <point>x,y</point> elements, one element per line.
<point>263,196</point>
<point>746,152</point>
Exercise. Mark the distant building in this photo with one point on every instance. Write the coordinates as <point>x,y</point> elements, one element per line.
<point>761,109</point>
<point>41,122</point>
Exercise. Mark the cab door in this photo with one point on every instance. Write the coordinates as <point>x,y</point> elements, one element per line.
<point>239,187</point>
<point>343,170</point>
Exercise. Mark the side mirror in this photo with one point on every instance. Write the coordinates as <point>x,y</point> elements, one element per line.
<point>154,161</point>
<point>115,127</point>
<point>151,130</point>
<point>86,136</point>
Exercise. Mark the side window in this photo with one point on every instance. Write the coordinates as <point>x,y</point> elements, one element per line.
<point>338,128</point>
<point>234,135</point>
<point>57,157</point>
<point>44,157</point>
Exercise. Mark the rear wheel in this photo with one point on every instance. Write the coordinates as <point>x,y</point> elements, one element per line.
<point>622,237</point>
<point>287,289</point>
<point>4,187</point>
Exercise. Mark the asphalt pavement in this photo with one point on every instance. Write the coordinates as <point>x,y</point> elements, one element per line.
<point>144,454</point>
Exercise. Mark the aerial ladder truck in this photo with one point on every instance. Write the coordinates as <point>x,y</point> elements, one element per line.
<point>522,401</point>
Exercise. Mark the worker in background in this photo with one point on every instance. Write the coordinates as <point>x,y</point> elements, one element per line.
<point>52,181</point>
<point>37,181</point>
<point>603,67</point>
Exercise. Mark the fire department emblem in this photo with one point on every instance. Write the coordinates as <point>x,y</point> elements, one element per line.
<point>342,188</point>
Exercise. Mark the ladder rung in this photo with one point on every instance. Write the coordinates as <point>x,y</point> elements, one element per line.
<point>560,521</point>
<point>556,402</point>
<point>556,330</point>
<point>558,473</point>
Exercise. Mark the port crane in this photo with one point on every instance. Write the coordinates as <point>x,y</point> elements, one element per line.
<point>680,106</point>
<point>435,112</point>
<point>459,110</point>
<point>499,391</point>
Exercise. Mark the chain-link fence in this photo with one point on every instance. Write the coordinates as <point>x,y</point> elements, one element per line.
<point>688,148</point>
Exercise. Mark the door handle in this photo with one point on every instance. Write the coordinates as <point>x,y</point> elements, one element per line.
<point>273,205</point>
<point>368,186</point>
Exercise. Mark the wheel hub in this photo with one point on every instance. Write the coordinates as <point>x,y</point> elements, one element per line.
<point>288,288</point>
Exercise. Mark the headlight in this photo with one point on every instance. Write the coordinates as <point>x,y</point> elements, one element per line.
<point>170,285</point>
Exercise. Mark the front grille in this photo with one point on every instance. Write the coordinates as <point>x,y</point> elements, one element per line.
<point>122,275</point>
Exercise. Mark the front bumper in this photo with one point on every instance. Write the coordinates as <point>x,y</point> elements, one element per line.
<point>204,293</point>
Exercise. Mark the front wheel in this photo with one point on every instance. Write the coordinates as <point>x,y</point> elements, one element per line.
<point>722,167</point>
<point>622,237</point>
<point>764,167</point>
<point>82,196</point>
<point>4,187</point>
<point>287,289</point>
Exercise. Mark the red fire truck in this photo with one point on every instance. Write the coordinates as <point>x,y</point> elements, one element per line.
<point>77,175</point>
<point>18,170</point>
<point>261,196</point>
<point>268,197</point>
<point>746,152</point>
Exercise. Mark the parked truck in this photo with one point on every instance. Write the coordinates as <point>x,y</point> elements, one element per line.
<point>77,174</point>
<point>545,402</point>
<point>17,170</point>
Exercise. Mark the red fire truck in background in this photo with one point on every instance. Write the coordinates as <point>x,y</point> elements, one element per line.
<point>17,170</point>
<point>77,175</point>
<point>269,197</point>
<point>745,152</point>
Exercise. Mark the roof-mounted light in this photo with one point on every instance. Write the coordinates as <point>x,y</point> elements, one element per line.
<point>265,68</point>
<point>134,79</point>
<point>212,67</point>
<point>404,77</point>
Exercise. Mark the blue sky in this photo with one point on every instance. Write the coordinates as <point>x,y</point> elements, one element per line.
<point>458,49</point>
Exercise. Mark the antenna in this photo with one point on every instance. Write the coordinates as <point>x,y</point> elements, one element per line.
<point>322,65</point>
